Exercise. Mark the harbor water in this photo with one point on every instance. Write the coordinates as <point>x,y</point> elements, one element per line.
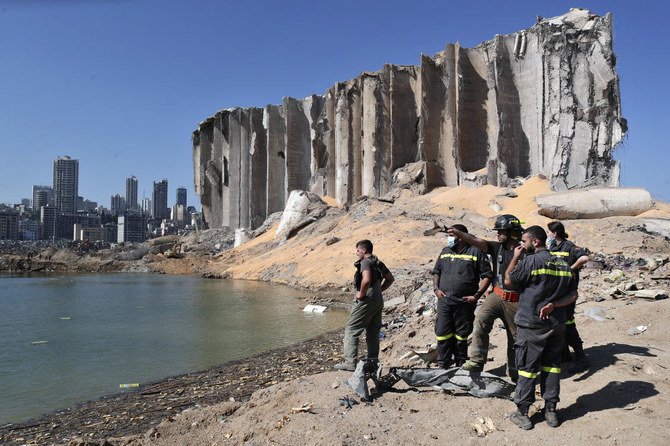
<point>71,338</point>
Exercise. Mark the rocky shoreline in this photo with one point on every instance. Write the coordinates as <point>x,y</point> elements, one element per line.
<point>136,412</point>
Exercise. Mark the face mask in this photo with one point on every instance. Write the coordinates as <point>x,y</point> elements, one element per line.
<point>550,241</point>
<point>451,241</point>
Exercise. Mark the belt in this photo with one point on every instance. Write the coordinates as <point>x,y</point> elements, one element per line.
<point>510,296</point>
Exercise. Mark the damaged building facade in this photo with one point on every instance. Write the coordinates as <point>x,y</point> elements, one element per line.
<point>540,101</point>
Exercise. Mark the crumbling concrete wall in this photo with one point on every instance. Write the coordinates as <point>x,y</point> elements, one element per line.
<point>540,101</point>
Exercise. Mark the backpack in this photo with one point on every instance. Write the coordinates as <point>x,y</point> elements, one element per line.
<point>379,270</point>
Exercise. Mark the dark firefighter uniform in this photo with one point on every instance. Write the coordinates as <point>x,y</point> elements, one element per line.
<point>570,252</point>
<point>541,278</point>
<point>459,274</point>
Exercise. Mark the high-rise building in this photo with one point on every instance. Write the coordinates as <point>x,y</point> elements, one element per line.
<point>65,224</point>
<point>46,198</point>
<point>146,206</point>
<point>9,225</point>
<point>110,232</point>
<point>178,213</point>
<point>48,222</point>
<point>131,227</point>
<point>66,185</point>
<point>118,204</point>
<point>29,229</point>
<point>131,193</point>
<point>89,206</point>
<point>41,198</point>
<point>181,196</point>
<point>159,199</point>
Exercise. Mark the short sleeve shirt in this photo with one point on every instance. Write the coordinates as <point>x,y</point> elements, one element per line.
<point>375,286</point>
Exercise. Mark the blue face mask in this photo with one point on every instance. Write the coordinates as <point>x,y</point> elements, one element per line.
<point>550,241</point>
<point>451,241</point>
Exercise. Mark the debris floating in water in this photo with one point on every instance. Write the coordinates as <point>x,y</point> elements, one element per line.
<point>65,318</point>
<point>39,342</point>
<point>314,309</point>
<point>129,386</point>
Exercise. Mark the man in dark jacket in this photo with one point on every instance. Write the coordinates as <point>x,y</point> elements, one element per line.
<point>460,277</point>
<point>576,257</point>
<point>545,286</point>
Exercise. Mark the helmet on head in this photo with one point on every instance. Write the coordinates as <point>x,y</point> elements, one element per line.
<point>507,222</point>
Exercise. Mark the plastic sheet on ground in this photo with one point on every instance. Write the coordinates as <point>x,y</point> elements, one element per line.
<point>597,314</point>
<point>365,369</point>
<point>454,380</point>
<point>457,380</point>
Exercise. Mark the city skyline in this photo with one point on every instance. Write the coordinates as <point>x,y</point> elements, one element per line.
<point>59,212</point>
<point>126,102</point>
<point>130,189</point>
<point>144,187</point>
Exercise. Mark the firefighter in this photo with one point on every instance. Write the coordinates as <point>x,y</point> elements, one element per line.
<point>501,302</point>
<point>576,257</point>
<point>545,287</point>
<point>460,277</point>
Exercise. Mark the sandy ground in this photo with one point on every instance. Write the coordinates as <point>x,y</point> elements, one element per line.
<point>621,399</point>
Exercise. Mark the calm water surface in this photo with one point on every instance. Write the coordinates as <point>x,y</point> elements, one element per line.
<point>67,339</point>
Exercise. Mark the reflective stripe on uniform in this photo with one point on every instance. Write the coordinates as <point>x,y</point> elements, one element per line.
<point>461,338</point>
<point>445,337</point>
<point>529,375</point>
<point>570,322</point>
<point>459,256</point>
<point>560,253</point>
<point>551,272</point>
<point>551,369</point>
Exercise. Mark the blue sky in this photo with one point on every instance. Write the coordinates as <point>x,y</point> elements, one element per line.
<point>121,84</point>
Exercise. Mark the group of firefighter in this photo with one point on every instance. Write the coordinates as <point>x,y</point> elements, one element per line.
<point>534,275</point>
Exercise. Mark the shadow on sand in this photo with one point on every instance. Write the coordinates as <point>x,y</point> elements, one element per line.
<point>602,356</point>
<point>616,394</point>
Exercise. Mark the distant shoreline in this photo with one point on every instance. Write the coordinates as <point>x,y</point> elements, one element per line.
<point>130,413</point>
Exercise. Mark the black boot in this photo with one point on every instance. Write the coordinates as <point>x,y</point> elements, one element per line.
<point>461,353</point>
<point>581,363</point>
<point>551,415</point>
<point>520,418</point>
